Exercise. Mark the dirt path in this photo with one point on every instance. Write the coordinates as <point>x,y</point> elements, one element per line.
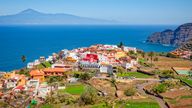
<point>159,100</point>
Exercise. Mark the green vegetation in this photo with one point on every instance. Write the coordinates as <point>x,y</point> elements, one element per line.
<point>43,65</point>
<point>168,84</point>
<point>133,74</point>
<point>47,64</point>
<point>23,58</point>
<point>138,104</point>
<point>24,72</point>
<point>74,89</point>
<point>85,76</point>
<point>47,106</point>
<point>130,92</point>
<point>59,98</point>
<point>89,96</point>
<point>161,88</point>
<point>120,45</point>
<point>151,55</point>
<point>142,105</point>
<point>101,105</point>
<point>55,79</point>
<point>141,60</point>
<point>165,73</point>
<point>185,97</point>
<point>187,80</point>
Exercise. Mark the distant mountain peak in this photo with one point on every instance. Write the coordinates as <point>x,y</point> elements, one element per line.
<point>29,11</point>
<point>31,16</point>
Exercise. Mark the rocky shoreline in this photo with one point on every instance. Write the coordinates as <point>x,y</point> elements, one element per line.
<point>175,37</point>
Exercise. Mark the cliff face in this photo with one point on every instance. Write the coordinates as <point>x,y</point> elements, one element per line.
<point>187,46</point>
<point>170,37</point>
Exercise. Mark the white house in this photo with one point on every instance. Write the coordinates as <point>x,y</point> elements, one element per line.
<point>30,65</point>
<point>36,62</point>
<point>127,49</point>
<point>11,83</point>
<point>129,65</point>
<point>107,69</point>
<point>50,58</point>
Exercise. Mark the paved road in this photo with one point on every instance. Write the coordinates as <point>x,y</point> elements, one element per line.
<point>159,100</point>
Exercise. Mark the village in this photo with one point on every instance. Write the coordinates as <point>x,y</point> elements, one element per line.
<point>99,76</point>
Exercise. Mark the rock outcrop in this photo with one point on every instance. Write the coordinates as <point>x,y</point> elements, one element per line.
<point>177,37</point>
<point>187,46</point>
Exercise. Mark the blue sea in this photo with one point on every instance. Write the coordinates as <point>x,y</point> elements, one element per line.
<point>34,41</point>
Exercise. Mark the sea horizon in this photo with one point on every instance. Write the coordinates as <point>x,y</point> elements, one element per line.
<point>42,40</point>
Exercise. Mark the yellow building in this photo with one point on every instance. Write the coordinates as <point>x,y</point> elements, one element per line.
<point>9,75</point>
<point>70,59</point>
<point>22,80</point>
<point>120,54</point>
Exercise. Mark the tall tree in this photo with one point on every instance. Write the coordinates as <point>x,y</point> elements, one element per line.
<point>23,58</point>
<point>120,45</point>
<point>143,54</point>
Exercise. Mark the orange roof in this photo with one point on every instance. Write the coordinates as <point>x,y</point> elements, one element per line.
<point>54,70</point>
<point>36,72</point>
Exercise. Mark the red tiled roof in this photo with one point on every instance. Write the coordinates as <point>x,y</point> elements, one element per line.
<point>20,87</point>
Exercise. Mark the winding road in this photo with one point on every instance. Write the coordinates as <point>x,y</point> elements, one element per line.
<point>159,100</point>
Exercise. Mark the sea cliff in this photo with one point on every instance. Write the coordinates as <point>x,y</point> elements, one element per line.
<point>175,37</point>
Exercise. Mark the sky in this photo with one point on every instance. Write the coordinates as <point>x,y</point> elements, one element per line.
<point>172,12</point>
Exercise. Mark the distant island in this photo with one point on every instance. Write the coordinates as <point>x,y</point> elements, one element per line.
<point>175,37</point>
<point>30,16</point>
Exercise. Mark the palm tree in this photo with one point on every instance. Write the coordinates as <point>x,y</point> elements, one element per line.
<point>120,45</point>
<point>143,54</point>
<point>151,54</point>
<point>23,58</point>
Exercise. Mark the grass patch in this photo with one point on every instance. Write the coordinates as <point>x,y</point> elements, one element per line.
<point>44,65</point>
<point>185,97</point>
<point>101,105</point>
<point>140,103</point>
<point>74,89</point>
<point>134,74</point>
<point>47,64</point>
<point>50,106</point>
<point>47,106</point>
<point>188,81</point>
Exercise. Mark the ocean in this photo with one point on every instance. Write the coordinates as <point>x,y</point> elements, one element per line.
<point>38,40</point>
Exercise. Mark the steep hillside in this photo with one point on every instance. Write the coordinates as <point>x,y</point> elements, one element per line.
<point>175,37</point>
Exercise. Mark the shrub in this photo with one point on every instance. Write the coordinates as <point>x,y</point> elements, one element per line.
<point>85,76</point>
<point>129,92</point>
<point>24,72</point>
<point>160,88</point>
<point>88,97</point>
<point>167,73</point>
<point>190,57</point>
<point>76,75</point>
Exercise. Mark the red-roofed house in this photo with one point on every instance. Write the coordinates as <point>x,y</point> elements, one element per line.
<point>91,58</point>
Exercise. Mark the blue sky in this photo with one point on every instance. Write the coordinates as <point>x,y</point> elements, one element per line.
<point>127,11</point>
